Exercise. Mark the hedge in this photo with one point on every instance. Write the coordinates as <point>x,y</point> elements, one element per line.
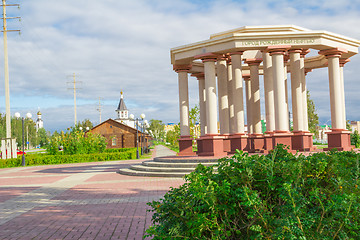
<point>112,150</point>
<point>265,197</point>
<point>45,159</point>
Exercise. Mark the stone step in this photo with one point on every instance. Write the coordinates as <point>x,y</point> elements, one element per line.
<point>175,165</point>
<point>160,169</point>
<point>186,160</point>
<point>127,171</point>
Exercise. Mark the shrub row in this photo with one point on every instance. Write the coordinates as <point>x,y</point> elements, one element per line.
<point>277,196</point>
<point>112,150</point>
<point>45,159</point>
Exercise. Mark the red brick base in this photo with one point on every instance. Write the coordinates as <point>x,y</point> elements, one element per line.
<point>212,145</point>
<point>302,141</point>
<point>238,141</point>
<point>256,143</point>
<point>282,138</point>
<point>185,146</point>
<point>339,139</point>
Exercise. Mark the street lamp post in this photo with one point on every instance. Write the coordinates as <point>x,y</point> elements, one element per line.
<point>142,116</point>
<point>144,125</point>
<point>28,115</point>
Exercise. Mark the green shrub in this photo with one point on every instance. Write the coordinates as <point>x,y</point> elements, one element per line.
<point>109,150</point>
<point>46,159</point>
<point>355,138</point>
<point>75,142</point>
<point>277,196</point>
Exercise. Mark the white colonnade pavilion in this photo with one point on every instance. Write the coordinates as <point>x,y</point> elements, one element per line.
<point>227,67</point>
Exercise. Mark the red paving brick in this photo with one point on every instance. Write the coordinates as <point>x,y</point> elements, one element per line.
<point>8,192</point>
<point>97,203</point>
<point>30,180</point>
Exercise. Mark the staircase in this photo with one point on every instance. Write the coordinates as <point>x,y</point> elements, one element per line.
<point>172,166</point>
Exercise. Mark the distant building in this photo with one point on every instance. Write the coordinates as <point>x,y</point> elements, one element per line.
<point>321,133</point>
<point>355,125</point>
<point>120,135</point>
<point>169,127</point>
<point>39,121</point>
<point>123,113</point>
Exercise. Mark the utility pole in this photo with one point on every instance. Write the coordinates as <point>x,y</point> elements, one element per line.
<point>6,67</point>
<point>74,88</point>
<point>99,109</point>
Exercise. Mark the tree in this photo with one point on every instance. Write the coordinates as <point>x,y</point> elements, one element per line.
<point>42,137</point>
<point>194,117</point>
<point>84,124</point>
<point>172,136</point>
<point>157,129</point>
<point>313,118</point>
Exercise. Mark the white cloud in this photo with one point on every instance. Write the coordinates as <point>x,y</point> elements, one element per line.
<point>124,45</point>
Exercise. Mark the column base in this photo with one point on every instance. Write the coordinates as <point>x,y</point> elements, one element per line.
<point>212,145</point>
<point>268,141</point>
<point>185,146</point>
<point>256,143</point>
<point>302,141</point>
<point>227,142</point>
<point>282,137</point>
<point>339,139</point>
<point>238,141</point>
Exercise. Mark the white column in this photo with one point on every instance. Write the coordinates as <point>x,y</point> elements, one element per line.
<point>304,90</point>
<point>342,63</point>
<point>210,88</point>
<point>248,103</point>
<point>269,92</point>
<point>231,87</point>
<point>255,95</point>
<point>202,102</point>
<point>182,71</point>
<point>336,102</point>
<point>238,92</point>
<point>296,89</point>
<point>281,114</point>
<point>223,95</point>
<point>286,58</point>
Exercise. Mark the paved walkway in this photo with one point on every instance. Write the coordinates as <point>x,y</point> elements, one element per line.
<point>78,201</point>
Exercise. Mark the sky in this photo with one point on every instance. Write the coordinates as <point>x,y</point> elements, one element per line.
<point>114,45</point>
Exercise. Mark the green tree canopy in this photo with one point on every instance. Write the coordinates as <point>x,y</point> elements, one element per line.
<point>313,118</point>
<point>157,129</point>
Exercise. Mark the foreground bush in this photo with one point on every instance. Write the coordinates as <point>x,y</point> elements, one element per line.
<point>277,196</point>
<point>45,159</point>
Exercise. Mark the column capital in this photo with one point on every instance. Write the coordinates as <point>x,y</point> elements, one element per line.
<point>207,57</point>
<point>295,50</point>
<point>228,58</point>
<point>237,53</point>
<point>253,61</point>
<point>334,52</point>
<point>304,52</point>
<point>307,70</point>
<point>280,49</point>
<point>286,58</point>
<point>221,57</point>
<point>246,77</point>
<point>343,61</point>
<point>182,68</point>
<point>199,75</point>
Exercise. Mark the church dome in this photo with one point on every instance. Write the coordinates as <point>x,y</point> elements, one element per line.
<point>38,113</point>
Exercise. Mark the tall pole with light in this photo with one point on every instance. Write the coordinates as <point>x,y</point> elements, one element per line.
<point>132,117</point>
<point>28,116</point>
<point>144,126</point>
<point>6,68</point>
